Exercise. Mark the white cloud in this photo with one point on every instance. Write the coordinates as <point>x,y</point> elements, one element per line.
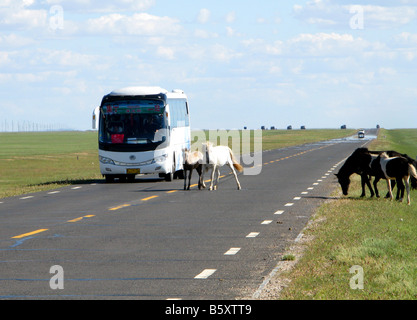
<point>203,16</point>
<point>231,17</point>
<point>17,16</point>
<point>13,40</point>
<point>103,6</point>
<point>165,52</point>
<point>204,34</point>
<point>332,13</point>
<point>137,24</point>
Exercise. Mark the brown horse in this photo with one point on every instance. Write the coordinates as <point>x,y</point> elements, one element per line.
<point>192,160</point>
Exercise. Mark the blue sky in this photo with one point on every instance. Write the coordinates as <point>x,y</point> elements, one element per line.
<point>318,63</point>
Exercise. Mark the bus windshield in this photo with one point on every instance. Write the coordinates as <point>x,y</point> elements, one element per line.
<point>133,122</point>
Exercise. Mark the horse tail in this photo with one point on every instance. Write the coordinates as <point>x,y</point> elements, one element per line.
<point>236,164</point>
<point>412,170</point>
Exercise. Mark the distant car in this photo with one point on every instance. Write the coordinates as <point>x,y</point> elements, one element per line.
<point>361,134</point>
<point>272,128</point>
<point>289,128</point>
<point>343,127</point>
<point>263,128</point>
<point>303,127</point>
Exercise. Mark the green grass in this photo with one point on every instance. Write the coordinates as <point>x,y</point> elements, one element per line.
<point>31,162</point>
<point>273,139</point>
<point>377,234</point>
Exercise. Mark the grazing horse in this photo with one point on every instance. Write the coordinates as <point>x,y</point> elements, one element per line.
<point>397,168</point>
<point>192,160</point>
<point>362,162</point>
<point>358,163</point>
<point>216,157</point>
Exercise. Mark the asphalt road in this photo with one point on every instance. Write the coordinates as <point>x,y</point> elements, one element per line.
<point>152,240</point>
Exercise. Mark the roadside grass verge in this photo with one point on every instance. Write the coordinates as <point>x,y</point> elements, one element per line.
<point>39,161</point>
<point>378,235</point>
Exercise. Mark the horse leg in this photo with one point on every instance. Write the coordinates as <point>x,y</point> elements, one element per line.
<point>199,169</point>
<point>392,186</point>
<point>363,185</point>
<point>185,178</point>
<point>368,183</point>
<point>389,187</point>
<point>375,186</point>
<point>217,178</point>
<point>203,169</point>
<point>213,171</point>
<point>365,180</point>
<point>234,173</point>
<point>407,185</point>
<point>400,190</point>
<point>189,178</point>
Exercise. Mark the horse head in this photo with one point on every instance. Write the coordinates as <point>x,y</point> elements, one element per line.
<point>344,182</point>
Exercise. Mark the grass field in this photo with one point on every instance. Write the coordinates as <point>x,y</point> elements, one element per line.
<point>378,235</point>
<point>31,162</point>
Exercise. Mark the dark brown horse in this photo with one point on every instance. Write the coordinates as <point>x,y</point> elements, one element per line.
<point>192,160</point>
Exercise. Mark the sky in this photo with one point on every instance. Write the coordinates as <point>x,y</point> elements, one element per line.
<point>317,63</point>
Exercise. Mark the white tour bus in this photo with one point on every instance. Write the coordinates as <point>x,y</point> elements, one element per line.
<point>142,130</point>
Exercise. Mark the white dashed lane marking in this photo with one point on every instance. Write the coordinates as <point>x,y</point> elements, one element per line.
<point>232,251</point>
<point>28,197</point>
<point>205,274</point>
<point>252,235</point>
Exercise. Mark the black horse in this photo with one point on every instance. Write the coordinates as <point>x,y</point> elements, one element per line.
<point>362,162</point>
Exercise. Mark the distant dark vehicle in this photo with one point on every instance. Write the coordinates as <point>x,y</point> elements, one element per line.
<point>263,128</point>
<point>377,126</point>
<point>272,128</point>
<point>244,128</point>
<point>343,127</point>
<point>303,127</point>
<point>289,128</point>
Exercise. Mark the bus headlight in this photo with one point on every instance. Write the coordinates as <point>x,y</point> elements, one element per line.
<point>105,160</point>
<point>160,159</point>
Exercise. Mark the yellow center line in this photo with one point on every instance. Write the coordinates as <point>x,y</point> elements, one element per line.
<point>80,218</point>
<point>149,198</point>
<point>29,233</point>
<point>119,207</point>
<point>172,191</point>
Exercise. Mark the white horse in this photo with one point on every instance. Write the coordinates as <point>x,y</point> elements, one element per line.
<point>397,168</point>
<point>216,157</point>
